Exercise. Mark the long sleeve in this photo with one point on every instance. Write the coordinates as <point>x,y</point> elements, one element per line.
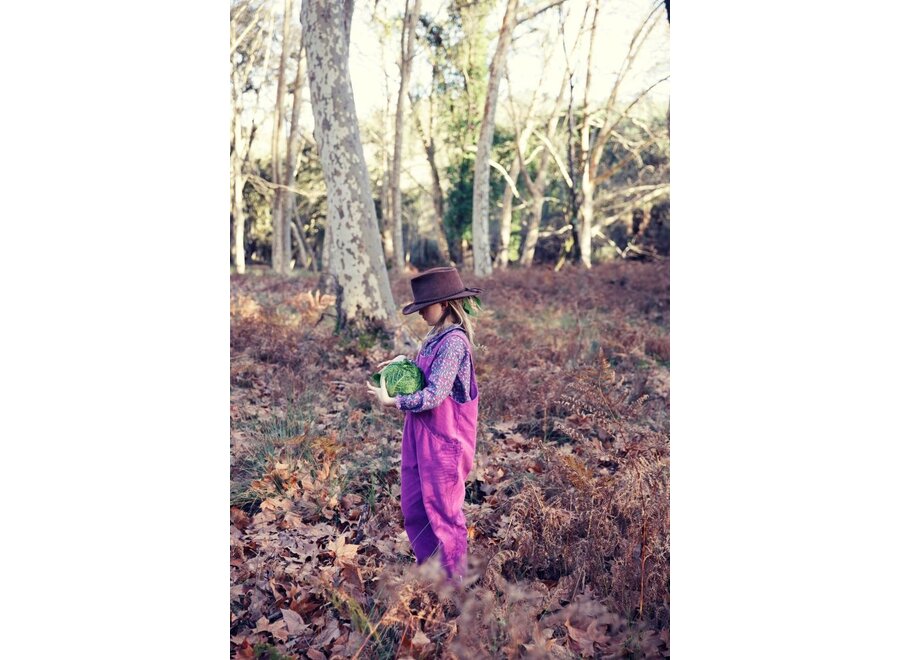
<point>444,370</point>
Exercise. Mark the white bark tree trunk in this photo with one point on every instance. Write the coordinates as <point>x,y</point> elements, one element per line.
<point>240,262</point>
<point>481,238</point>
<point>278,233</point>
<point>586,211</point>
<point>536,188</point>
<point>302,245</point>
<point>387,234</point>
<point>502,258</point>
<point>410,19</point>
<point>356,258</point>
<point>237,189</point>
<point>290,163</point>
<point>529,243</point>
<point>241,145</point>
<point>437,191</point>
<point>592,152</point>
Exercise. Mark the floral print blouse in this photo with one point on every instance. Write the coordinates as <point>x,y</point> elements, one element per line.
<point>450,374</point>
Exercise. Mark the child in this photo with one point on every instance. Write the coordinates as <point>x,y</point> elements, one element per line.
<point>439,430</point>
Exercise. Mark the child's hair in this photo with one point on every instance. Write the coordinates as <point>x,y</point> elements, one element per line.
<point>455,313</point>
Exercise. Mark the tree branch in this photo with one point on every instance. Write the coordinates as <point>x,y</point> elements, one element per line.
<point>628,191</point>
<point>266,188</point>
<point>534,11</point>
<point>556,158</point>
<point>512,184</point>
<point>252,23</point>
<point>635,154</point>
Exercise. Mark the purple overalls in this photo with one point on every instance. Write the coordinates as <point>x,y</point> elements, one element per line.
<point>438,450</point>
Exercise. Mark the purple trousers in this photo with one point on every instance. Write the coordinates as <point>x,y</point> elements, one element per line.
<point>437,455</point>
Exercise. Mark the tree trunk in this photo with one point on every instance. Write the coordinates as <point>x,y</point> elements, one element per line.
<point>407,41</point>
<point>240,145</point>
<point>481,247</point>
<point>356,258</point>
<point>326,248</point>
<point>437,192</point>
<point>278,233</point>
<point>290,198</point>
<point>237,187</point>
<point>571,243</point>
<point>537,186</point>
<point>592,152</point>
<point>302,247</point>
<point>586,211</point>
<point>437,200</point>
<point>502,258</point>
<point>529,242</point>
<point>586,224</point>
<point>240,263</point>
<point>387,234</point>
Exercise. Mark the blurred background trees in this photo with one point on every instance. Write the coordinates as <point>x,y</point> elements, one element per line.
<point>492,134</point>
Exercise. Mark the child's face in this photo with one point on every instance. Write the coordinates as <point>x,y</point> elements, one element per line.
<point>432,313</point>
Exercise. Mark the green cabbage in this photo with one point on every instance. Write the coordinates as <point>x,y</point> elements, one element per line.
<point>401,377</point>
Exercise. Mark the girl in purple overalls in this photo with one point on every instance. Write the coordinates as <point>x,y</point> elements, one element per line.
<point>439,430</point>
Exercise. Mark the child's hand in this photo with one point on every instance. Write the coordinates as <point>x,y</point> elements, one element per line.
<point>396,359</point>
<point>381,394</point>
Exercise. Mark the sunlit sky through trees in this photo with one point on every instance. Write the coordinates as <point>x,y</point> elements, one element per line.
<point>536,41</point>
<point>618,21</point>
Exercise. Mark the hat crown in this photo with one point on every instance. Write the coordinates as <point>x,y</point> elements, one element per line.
<point>435,284</point>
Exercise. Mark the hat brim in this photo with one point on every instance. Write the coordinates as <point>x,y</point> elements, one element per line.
<point>465,293</point>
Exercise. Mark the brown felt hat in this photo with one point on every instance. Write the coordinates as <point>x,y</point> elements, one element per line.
<point>437,285</point>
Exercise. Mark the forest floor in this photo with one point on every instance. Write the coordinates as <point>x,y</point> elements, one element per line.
<point>567,503</point>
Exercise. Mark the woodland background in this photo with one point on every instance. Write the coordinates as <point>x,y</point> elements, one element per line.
<point>116,344</point>
<point>526,143</point>
<point>555,112</point>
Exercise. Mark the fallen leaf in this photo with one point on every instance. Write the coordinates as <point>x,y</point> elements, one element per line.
<point>278,630</point>
<point>343,551</point>
<point>586,638</point>
<point>295,624</point>
<point>239,518</point>
<point>350,500</point>
<point>421,639</point>
<point>330,633</point>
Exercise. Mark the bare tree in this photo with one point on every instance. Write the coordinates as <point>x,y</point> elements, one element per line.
<point>356,258</point>
<point>289,200</point>
<point>237,179</point>
<point>248,38</point>
<point>521,142</point>
<point>587,189</point>
<point>537,185</point>
<point>278,180</point>
<point>437,191</point>
<point>594,142</point>
<point>384,134</point>
<point>481,248</point>
<point>407,41</point>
